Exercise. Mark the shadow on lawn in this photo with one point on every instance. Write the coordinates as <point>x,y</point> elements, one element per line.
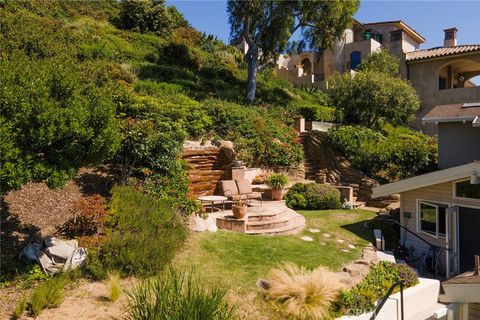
<point>361,229</point>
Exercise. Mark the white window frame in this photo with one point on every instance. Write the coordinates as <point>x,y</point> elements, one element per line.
<point>454,188</point>
<point>435,204</point>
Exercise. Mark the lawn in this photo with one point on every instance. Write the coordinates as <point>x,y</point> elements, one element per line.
<point>236,260</point>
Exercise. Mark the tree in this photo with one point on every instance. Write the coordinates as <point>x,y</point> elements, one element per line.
<point>381,61</point>
<point>371,98</point>
<point>145,16</point>
<point>268,25</point>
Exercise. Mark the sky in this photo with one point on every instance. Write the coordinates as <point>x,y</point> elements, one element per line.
<point>428,18</point>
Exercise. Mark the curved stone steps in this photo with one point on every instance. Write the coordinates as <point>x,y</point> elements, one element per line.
<point>273,222</point>
<point>294,224</point>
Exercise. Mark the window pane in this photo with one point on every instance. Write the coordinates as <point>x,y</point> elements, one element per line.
<point>441,221</point>
<point>428,218</point>
<point>466,190</point>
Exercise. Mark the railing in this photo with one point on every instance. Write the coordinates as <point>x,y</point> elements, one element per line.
<point>432,248</point>
<point>385,298</point>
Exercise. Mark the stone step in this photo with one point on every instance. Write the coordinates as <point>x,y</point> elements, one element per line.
<point>279,221</point>
<point>296,225</point>
<point>266,215</point>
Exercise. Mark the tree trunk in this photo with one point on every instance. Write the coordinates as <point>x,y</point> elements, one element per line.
<point>252,60</point>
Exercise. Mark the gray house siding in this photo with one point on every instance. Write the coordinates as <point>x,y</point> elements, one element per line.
<point>458,143</point>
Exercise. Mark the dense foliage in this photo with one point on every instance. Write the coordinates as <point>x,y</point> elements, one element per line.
<point>277,180</point>
<point>313,196</point>
<point>77,91</point>
<point>177,296</point>
<point>390,154</point>
<point>143,235</point>
<point>374,286</point>
<point>381,61</point>
<point>372,98</point>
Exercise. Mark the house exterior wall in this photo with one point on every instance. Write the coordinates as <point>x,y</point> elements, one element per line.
<point>458,143</point>
<point>440,193</point>
<point>424,78</point>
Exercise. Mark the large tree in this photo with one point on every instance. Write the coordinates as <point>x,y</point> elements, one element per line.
<point>268,25</point>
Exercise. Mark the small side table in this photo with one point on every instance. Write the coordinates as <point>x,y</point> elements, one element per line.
<point>213,199</point>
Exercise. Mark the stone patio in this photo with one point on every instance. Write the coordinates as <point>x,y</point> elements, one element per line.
<point>273,218</point>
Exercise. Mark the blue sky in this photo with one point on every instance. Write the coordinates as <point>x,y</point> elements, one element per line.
<point>429,18</point>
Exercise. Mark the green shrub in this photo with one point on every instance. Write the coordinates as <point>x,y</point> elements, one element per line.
<point>177,296</point>
<point>373,287</point>
<point>313,196</point>
<point>48,294</point>
<point>144,233</point>
<point>388,155</point>
<point>20,307</point>
<point>277,181</point>
<point>313,111</point>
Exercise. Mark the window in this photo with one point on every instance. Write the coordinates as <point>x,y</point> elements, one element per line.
<point>432,218</point>
<point>442,83</point>
<point>465,189</point>
<point>396,35</point>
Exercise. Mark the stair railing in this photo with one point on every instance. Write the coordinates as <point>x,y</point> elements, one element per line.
<point>432,248</point>
<point>385,298</point>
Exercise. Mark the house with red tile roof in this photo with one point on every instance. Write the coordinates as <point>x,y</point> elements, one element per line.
<point>441,75</point>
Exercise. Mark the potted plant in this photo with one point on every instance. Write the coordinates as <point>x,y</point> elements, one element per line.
<point>239,208</point>
<point>277,181</point>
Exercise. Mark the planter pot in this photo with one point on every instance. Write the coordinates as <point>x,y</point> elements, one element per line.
<point>237,163</point>
<point>239,212</point>
<point>277,194</point>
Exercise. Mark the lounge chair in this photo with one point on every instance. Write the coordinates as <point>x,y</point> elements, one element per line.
<point>239,189</point>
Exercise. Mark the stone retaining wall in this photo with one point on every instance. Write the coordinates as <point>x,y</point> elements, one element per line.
<point>207,165</point>
<point>336,169</point>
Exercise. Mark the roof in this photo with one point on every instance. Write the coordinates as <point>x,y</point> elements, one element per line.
<point>427,179</point>
<point>440,52</point>
<point>401,25</point>
<point>454,112</point>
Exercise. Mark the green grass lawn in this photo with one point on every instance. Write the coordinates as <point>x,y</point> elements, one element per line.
<point>238,260</point>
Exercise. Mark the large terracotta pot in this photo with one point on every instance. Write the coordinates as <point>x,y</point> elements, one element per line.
<point>277,194</point>
<point>239,212</point>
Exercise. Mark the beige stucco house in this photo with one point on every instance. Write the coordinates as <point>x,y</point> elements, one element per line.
<point>439,75</point>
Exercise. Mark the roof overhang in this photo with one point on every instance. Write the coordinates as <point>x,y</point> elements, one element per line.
<point>401,25</point>
<point>428,179</point>
<point>452,119</point>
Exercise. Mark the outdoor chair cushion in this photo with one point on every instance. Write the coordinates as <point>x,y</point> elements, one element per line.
<point>229,188</point>
<point>244,186</point>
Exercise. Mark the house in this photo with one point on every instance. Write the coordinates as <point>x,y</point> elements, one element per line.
<point>441,209</point>
<point>440,75</point>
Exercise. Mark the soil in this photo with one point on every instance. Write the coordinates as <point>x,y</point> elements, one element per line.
<point>36,211</point>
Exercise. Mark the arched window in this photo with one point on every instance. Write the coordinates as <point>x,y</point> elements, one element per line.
<point>307,66</point>
<point>355,59</point>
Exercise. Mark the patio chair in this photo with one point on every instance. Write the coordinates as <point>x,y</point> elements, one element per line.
<point>239,189</point>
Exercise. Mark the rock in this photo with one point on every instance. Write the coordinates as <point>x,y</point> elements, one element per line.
<point>340,241</point>
<point>351,246</point>
<point>225,144</point>
<point>357,270</point>
<point>345,279</point>
<point>323,243</point>
<point>314,230</point>
<point>364,262</point>
<point>263,283</point>
<point>345,250</point>
<point>326,235</point>
<point>307,238</point>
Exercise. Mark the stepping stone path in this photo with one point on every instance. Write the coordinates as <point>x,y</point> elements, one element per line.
<point>314,230</point>
<point>326,235</point>
<point>307,238</point>
<point>351,246</point>
<point>340,241</point>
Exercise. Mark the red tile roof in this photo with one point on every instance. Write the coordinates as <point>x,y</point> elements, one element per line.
<point>452,112</point>
<point>440,52</point>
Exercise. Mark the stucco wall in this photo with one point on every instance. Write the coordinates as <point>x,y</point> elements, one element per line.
<point>458,143</point>
<point>424,78</point>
